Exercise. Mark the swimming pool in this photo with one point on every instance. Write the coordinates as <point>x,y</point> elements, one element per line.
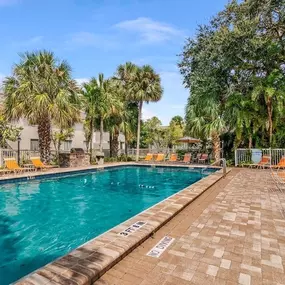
<point>43,219</point>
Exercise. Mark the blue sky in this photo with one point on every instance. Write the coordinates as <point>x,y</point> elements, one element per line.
<point>97,35</point>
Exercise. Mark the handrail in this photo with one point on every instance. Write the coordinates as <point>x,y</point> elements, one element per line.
<point>224,165</point>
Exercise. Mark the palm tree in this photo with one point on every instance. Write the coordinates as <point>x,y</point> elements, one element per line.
<point>42,91</point>
<point>145,87</point>
<point>100,103</point>
<point>90,94</point>
<point>142,84</point>
<point>124,75</point>
<point>270,90</point>
<point>205,121</point>
<point>244,116</point>
<point>116,115</point>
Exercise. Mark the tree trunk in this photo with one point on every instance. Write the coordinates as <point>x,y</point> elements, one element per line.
<point>250,141</point>
<point>216,146</point>
<point>270,123</point>
<point>111,143</point>
<point>58,145</point>
<point>126,140</point>
<point>115,143</point>
<point>91,140</point>
<point>44,133</point>
<point>139,130</point>
<point>101,134</point>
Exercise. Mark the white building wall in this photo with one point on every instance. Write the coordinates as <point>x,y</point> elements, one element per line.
<point>78,140</point>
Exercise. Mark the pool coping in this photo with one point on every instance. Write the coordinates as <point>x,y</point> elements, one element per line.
<point>88,262</point>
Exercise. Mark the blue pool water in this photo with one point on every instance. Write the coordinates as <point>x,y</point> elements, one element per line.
<point>44,219</point>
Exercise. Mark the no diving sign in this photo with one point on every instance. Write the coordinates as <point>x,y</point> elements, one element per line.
<point>160,247</point>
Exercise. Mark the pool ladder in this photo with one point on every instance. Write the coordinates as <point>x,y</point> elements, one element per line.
<point>224,165</point>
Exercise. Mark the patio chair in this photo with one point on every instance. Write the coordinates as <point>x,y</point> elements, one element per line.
<point>38,164</point>
<point>160,157</point>
<point>173,157</point>
<point>279,179</point>
<point>5,171</point>
<point>148,157</point>
<point>204,157</point>
<point>280,164</point>
<point>187,158</point>
<point>12,165</point>
<point>198,156</point>
<point>264,162</point>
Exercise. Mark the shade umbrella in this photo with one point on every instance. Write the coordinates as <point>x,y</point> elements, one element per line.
<point>189,140</point>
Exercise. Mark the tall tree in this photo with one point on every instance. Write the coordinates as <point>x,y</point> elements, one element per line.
<point>97,94</point>
<point>124,76</point>
<point>241,51</point>
<point>175,130</point>
<point>115,116</point>
<point>144,86</point>
<point>91,96</point>
<point>42,91</point>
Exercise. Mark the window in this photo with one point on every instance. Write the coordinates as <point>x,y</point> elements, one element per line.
<point>34,144</point>
<point>121,145</point>
<point>67,145</point>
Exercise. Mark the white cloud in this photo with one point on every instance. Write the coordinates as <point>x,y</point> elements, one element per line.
<point>80,81</point>
<point>150,31</point>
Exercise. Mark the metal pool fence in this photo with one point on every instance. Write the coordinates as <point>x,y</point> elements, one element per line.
<point>254,155</point>
<point>11,153</point>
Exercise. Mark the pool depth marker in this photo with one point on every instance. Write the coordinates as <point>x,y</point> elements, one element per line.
<point>161,246</point>
<point>131,229</point>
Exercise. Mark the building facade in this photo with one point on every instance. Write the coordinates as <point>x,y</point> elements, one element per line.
<point>30,139</point>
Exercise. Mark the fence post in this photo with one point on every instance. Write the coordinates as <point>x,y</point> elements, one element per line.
<point>236,158</point>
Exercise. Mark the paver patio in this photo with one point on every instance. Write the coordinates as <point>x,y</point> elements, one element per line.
<point>233,234</point>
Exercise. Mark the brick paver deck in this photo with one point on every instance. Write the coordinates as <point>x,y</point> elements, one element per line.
<point>233,234</point>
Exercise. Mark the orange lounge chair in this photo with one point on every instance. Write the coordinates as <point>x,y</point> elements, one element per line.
<point>148,157</point>
<point>160,157</point>
<point>173,157</point>
<point>12,165</point>
<point>280,164</point>
<point>38,164</point>
<point>187,158</point>
<point>279,178</point>
<point>264,162</point>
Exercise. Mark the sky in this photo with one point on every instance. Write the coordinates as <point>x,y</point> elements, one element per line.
<point>97,35</point>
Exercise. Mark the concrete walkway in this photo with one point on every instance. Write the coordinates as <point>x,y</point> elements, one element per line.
<point>233,234</point>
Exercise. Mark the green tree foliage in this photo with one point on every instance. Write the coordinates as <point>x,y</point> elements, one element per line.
<point>100,102</point>
<point>141,84</point>
<point>42,91</point>
<point>175,130</point>
<point>234,68</point>
<point>59,136</point>
<point>7,132</point>
<point>158,136</point>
